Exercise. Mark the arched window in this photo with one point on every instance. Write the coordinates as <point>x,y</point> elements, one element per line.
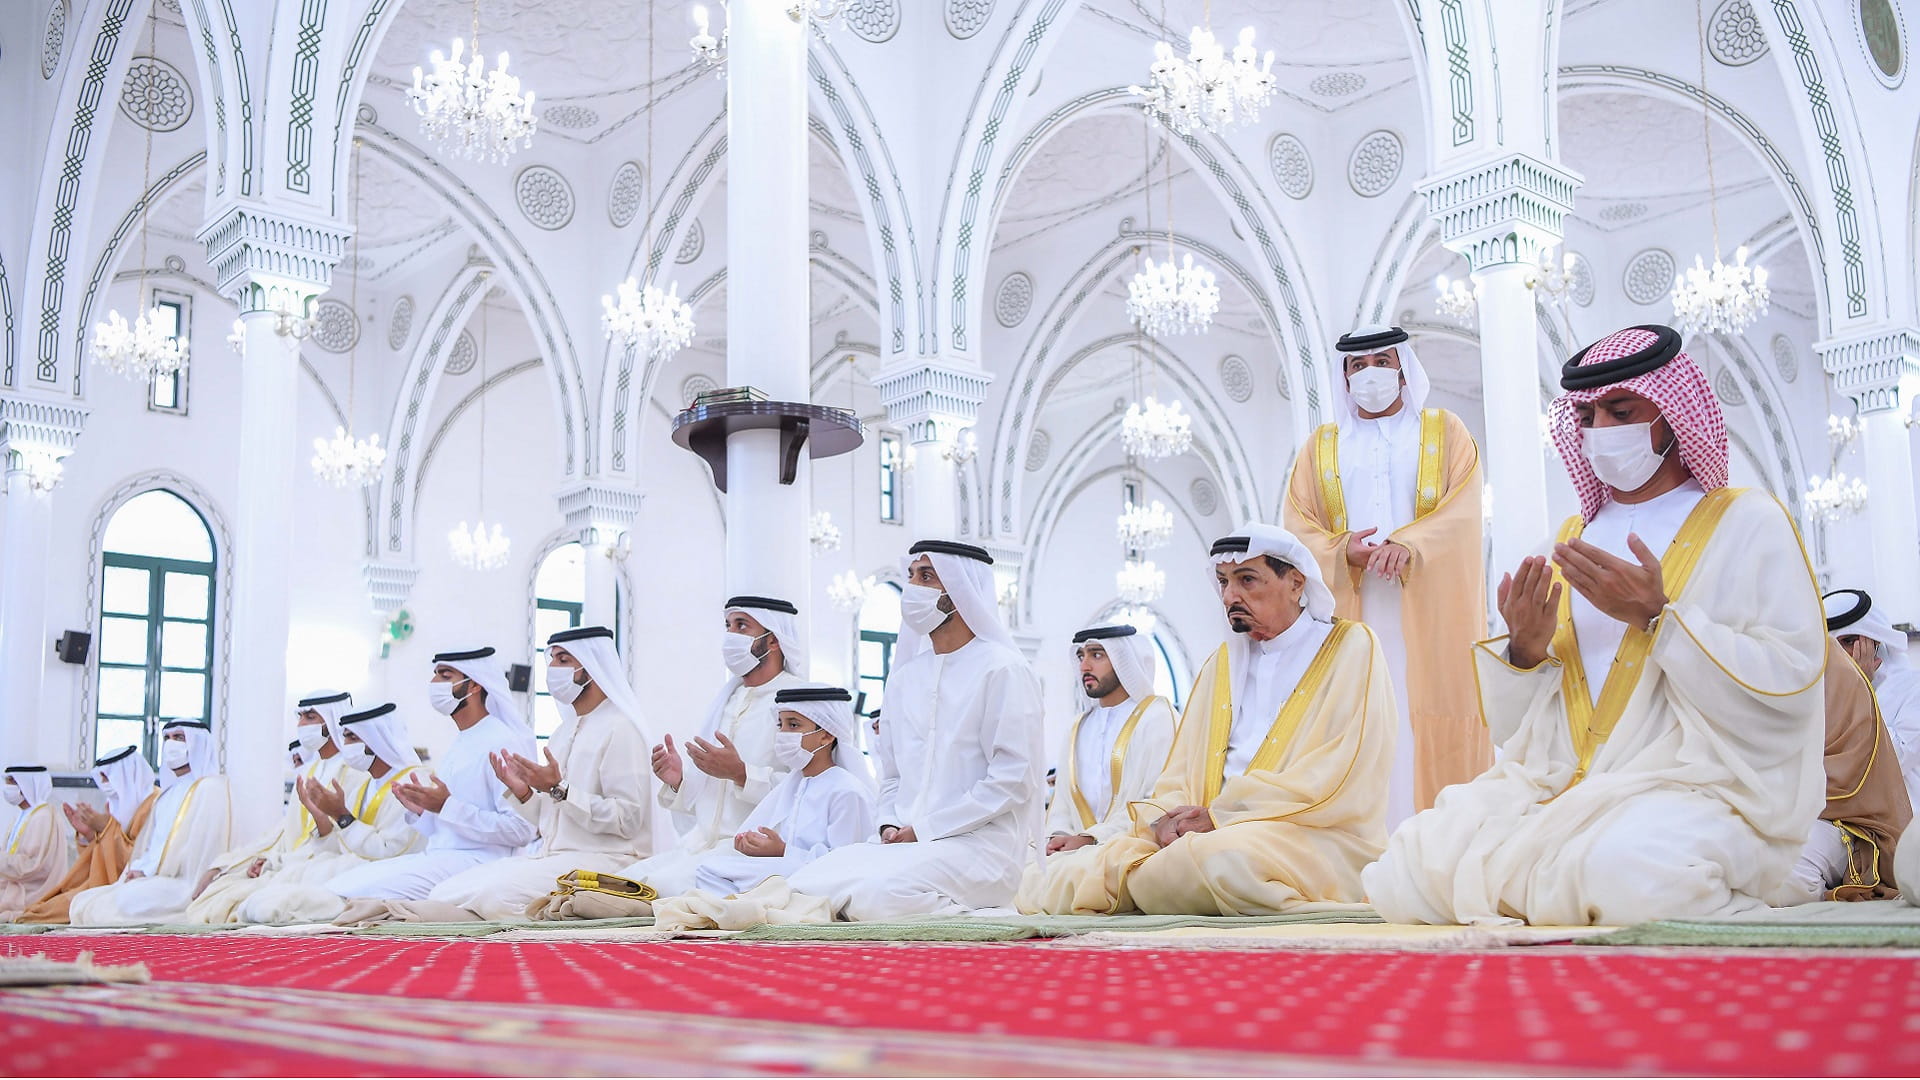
<point>559,599</point>
<point>156,621</point>
<point>1169,677</point>
<point>879,632</point>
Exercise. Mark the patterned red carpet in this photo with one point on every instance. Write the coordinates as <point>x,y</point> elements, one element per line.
<point>360,1006</point>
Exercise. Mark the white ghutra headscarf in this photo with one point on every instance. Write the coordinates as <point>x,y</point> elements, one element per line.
<point>1367,340</point>
<point>966,574</point>
<point>1130,651</point>
<point>385,733</point>
<point>131,780</point>
<point>203,757</point>
<point>480,666</point>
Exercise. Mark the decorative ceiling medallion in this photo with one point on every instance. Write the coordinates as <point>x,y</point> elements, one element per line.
<point>966,18</point>
<point>56,38</point>
<point>692,244</point>
<point>1038,448</point>
<point>1206,499</point>
<point>694,385</point>
<point>1880,35</point>
<point>873,20</point>
<point>1338,84</point>
<point>1734,34</point>
<point>1625,211</point>
<point>544,196</point>
<point>1280,377</point>
<point>1237,377</point>
<point>1649,276</point>
<point>464,354</point>
<point>155,95</point>
<point>400,323</point>
<point>572,117</point>
<point>1292,168</point>
<point>335,327</point>
<point>1583,287</point>
<point>1013,300</point>
<point>1728,388</point>
<point>623,198</point>
<point>1785,360</point>
<point>1375,163</point>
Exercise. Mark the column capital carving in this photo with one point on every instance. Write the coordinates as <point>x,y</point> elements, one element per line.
<point>932,399</point>
<point>1502,210</point>
<point>1878,369</point>
<point>261,255</point>
<point>389,583</point>
<point>600,512</point>
<point>36,435</point>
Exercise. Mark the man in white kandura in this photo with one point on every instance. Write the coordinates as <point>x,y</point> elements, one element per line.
<point>37,847</point>
<point>589,796</point>
<point>191,825</point>
<point>734,768</point>
<point>961,793</point>
<point>1880,649</point>
<point>1117,748</point>
<point>1658,697</point>
<point>462,808</point>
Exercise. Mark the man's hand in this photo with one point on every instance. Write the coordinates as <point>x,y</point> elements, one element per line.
<point>1179,821</point>
<point>1062,842</point>
<point>667,764</point>
<point>303,789</point>
<point>1200,819</point>
<point>1389,560</point>
<point>719,759</point>
<point>87,822</point>
<point>328,801</point>
<point>257,865</point>
<point>1359,552</point>
<point>1633,593</point>
<point>422,798</point>
<point>894,834</point>
<point>506,767</point>
<point>206,879</point>
<point>761,843</point>
<point>539,775</point>
<point>133,875</point>
<point>1529,601</point>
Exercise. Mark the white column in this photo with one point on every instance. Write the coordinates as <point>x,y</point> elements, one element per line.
<point>267,262</point>
<point>34,437</point>
<point>603,516</point>
<point>1499,214</point>
<point>1880,371</point>
<point>933,401</point>
<point>767,315</point>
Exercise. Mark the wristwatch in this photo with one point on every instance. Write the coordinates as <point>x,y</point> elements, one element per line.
<point>558,792</point>
<point>344,820</point>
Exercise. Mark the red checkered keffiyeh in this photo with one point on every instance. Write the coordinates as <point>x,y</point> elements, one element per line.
<point>1687,403</point>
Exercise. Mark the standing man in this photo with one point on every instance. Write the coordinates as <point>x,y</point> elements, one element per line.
<point>1388,501</point>
<point>1658,696</point>
<point>734,765</point>
<point>960,756</point>
<point>1118,747</point>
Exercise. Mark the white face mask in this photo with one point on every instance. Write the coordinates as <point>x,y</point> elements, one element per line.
<point>17,798</point>
<point>105,786</point>
<point>1374,389</point>
<point>1622,456</point>
<point>789,748</point>
<point>736,651</point>
<point>173,753</point>
<point>311,736</point>
<point>357,756</point>
<point>561,685</point>
<point>440,695</point>
<point>920,608</point>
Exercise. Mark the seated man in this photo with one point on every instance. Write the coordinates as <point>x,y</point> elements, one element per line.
<point>1850,851</point>
<point>1276,793</point>
<point>191,824</point>
<point>106,836</point>
<point>734,767</point>
<point>1681,783</point>
<point>960,756</point>
<point>589,796</point>
<point>37,846</point>
<point>1874,643</point>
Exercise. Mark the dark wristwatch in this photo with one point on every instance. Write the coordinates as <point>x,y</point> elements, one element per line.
<point>344,820</point>
<point>558,792</point>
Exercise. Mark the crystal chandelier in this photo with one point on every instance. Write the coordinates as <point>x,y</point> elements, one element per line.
<point>962,449</point>
<point>1834,497</point>
<point>141,351</point>
<point>479,549</point>
<point>1723,299</point>
<point>822,533</point>
<point>1841,431</point>
<point>237,337</point>
<point>848,591</point>
<point>295,324</point>
<point>1209,89</point>
<point>655,323</point>
<point>1008,594</point>
<point>707,49</point>
<point>344,461</point>
<point>1145,528</point>
<point>1154,431</point>
<point>1455,299</point>
<point>1138,616</point>
<point>43,470</point>
<point>468,110</point>
<point>1140,582</point>
<point>1552,276</point>
<point>1163,300</point>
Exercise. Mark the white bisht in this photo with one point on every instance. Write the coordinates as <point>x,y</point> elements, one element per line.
<point>37,847</point>
<point>191,825</point>
<point>1113,755</point>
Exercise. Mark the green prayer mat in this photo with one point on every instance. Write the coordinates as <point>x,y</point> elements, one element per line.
<point>1874,924</point>
<point>1019,927</point>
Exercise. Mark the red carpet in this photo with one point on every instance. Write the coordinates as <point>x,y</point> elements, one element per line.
<point>586,1007</point>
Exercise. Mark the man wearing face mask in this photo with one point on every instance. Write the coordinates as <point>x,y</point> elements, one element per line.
<point>191,824</point>
<point>107,836</point>
<point>463,808</point>
<point>589,796</point>
<point>1388,501</point>
<point>1880,650</point>
<point>960,756</point>
<point>733,763</point>
<point>1658,695</point>
<point>37,846</point>
<point>1273,796</point>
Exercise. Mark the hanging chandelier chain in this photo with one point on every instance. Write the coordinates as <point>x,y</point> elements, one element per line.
<point>1706,124</point>
<point>486,286</point>
<point>146,167</point>
<point>353,292</point>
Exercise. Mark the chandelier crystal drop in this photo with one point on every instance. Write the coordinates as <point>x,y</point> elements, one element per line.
<point>479,549</point>
<point>1552,276</point>
<point>1455,299</point>
<point>141,351</point>
<point>1139,582</point>
<point>1138,616</point>
<point>848,591</point>
<point>1842,431</point>
<point>1164,300</point>
<point>344,461</point>
<point>1831,498</point>
<point>1209,89</point>
<point>1145,528</point>
<point>1723,299</point>
<point>822,533</point>
<point>470,111</point>
<point>1153,431</point>
<point>655,323</point>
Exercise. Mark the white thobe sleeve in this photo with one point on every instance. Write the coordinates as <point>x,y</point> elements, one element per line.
<point>487,825</point>
<point>387,835</point>
<point>610,799</point>
<point>1010,726</point>
<point>888,810</point>
<point>849,817</point>
<point>1509,695</point>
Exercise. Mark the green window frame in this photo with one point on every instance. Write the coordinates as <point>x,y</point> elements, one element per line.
<point>166,644</point>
